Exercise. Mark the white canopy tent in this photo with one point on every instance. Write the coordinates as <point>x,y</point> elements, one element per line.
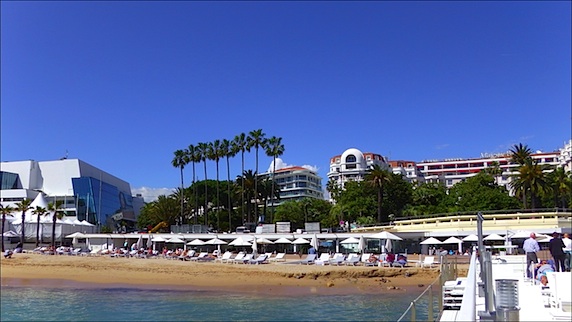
<point>454,240</point>
<point>431,241</point>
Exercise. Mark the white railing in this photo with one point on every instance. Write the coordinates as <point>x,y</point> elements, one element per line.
<point>468,304</point>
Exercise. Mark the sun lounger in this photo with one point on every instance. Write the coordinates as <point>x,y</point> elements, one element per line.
<point>240,256</point>
<point>353,259</point>
<point>324,259</point>
<point>247,258</point>
<point>202,255</point>
<point>225,257</point>
<point>428,261</point>
<point>364,258</point>
<point>261,259</point>
<point>338,259</point>
<point>309,259</point>
<point>280,257</point>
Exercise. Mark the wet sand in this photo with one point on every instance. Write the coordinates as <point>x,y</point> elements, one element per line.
<point>275,278</point>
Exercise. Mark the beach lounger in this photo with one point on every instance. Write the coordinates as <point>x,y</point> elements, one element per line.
<point>323,260</point>
<point>225,257</point>
<point>365,258</point>
<point>309,259</point>
<point>338,259</point>
<point>428,261</point>
<point>202,255</point>
<point>373,263</point>
<point>353,259</point>
<point>280,257</point>
<point>238,257</point>
<point>247,258</point>
<point>261,259</point>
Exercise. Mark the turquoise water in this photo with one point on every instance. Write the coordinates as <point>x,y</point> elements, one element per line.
<point>126,304</point>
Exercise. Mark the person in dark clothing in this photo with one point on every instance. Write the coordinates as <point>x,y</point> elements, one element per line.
<point>556,246</point>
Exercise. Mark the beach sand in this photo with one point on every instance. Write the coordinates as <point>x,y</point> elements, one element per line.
<point>275,278</point>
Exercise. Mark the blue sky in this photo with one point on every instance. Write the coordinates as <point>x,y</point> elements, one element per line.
<point>122,85</point>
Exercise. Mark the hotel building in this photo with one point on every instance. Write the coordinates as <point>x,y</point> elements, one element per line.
<point>352,165</point>
<point>86,192</point>
<point>296,183</point>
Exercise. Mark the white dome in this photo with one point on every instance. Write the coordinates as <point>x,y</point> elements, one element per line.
<point>356,153</point>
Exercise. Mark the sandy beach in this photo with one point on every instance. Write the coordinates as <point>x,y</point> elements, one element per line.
<point>275,278</point>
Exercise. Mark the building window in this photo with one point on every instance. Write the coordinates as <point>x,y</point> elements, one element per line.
<point>350,158</point>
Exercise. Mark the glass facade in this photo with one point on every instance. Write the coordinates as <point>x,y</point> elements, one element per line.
<point>9,180</point>
<point>98,201</point>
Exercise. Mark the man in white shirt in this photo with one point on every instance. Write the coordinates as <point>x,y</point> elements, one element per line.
<point>568,251</point>
<point>530,247</point>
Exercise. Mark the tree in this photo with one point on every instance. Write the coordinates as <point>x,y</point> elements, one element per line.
<point>193,156</point>
<point>5,211</point>
<point>530,178</point>
<point>247,182</point>
<point>266,190</point>
<point>203,149</point>
<point>215,154</point>
<point>240,143</point>
<point>428,198</point>
<point>180,161</point>
<point>274,149</point>
<point>228,151</point>
<point>520,154</point>
<point>23,206</point>
<point>479,192</point>
<point>560,182</point>
<point>39,212</point>
<point>54,207</point>
<point>334,189</point>
<point>379,178</point>
<point>256,140</point>
<point>291,211</point>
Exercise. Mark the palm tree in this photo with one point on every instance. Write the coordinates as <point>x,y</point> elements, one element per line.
<point>333,188</point>
<point>256,140</point>
<point>204,155</point>
<point>194,157</point>
<point>228,151</point>
<point>378,178</point>
<point>530,178</point>
<point>39,212</point>
<point>215,155</point>
<point>561,183</point>
<point>520,154</point>
<point>54,207</point>
<point>180,161</point>
<point>247,180</point>
<point>267,190</point>
<point>5,211</point>
<point>274,149</point>
<point>240,143</point>
<point>23,206</point>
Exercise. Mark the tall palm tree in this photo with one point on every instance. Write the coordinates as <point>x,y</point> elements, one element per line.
<point>228,151</point>
<point>247,180</point>
<point>5,211</point>
<point>520,154</point>
<point>240,144</point>
<point>333,188</point>
<point>216,154</point>
<point>39,212</point>
<point>378,178</point>
<point>561,183</point>
<point>530,178</point>
<point>194,157</point>
<point>204,155</point>
<point>274,149</point>
<point>266,191</point>
<point>180,160</point>
<point>23,206</point>
<point>256,140</point>
<point>54,207</point>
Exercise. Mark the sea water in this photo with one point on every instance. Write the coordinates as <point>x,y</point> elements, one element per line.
<point>129,304</point>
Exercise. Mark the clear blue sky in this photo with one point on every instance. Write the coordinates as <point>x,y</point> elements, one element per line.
<point>122,85</point>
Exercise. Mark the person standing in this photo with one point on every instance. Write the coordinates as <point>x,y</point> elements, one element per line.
<point>530,247</point>
<point>556,246</point>
<point>568,251</point>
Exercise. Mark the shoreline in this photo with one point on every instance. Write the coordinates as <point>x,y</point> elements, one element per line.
<point>35,270</point>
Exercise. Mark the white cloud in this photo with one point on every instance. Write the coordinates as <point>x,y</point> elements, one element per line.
<point>151,194</point>
<point>280,164</point>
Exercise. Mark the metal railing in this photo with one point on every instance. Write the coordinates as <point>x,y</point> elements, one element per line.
<point>448,272</point>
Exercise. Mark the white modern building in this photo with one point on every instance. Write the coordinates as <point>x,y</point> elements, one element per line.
<point>353,165</point>
<point>87,192</point>
<point>408,170</point>
<point>296,183</point>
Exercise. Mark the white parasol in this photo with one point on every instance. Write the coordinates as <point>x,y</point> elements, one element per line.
<point>384,235</point>
<point>351,240</point>
<point>314,243</point>
<point>300,241</point>
<point>431,241</point>
<point>494,237</point>
<point>471,238</point>
<point>196,242</point>
<point>240,242</point>
<point>362,244</point>
<point>283,241</point>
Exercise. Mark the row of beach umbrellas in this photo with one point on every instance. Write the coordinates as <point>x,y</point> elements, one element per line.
<point>491,237</point>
